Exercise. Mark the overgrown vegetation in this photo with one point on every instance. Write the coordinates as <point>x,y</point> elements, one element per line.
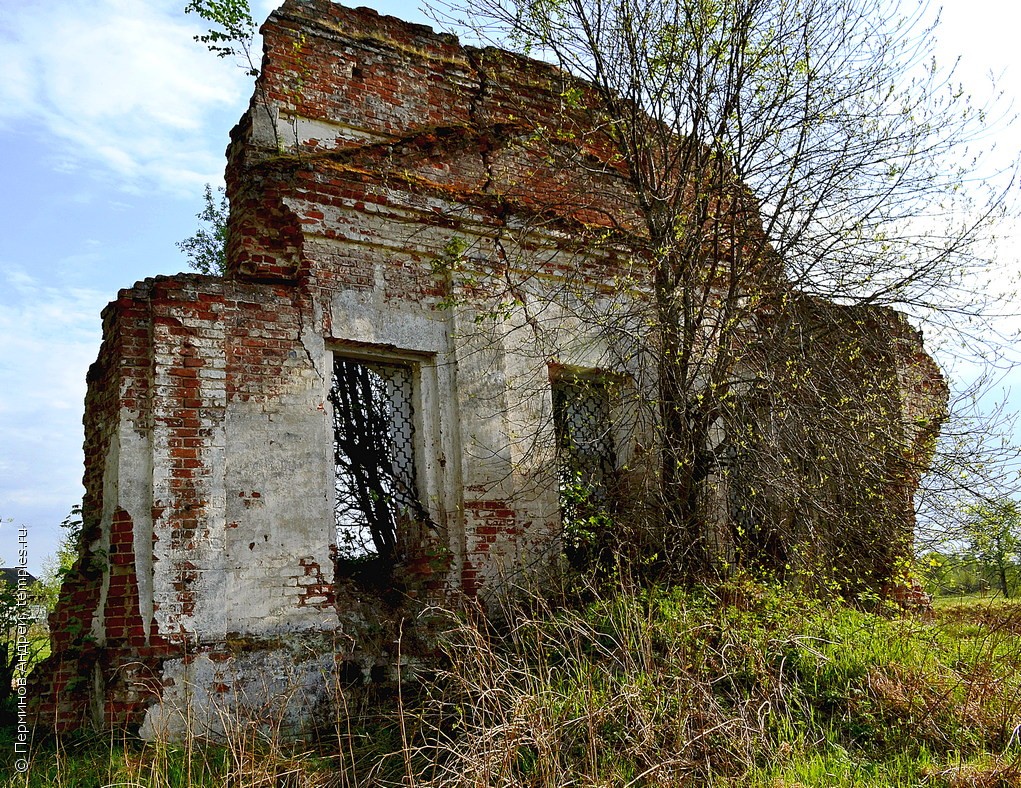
<point>206,250</point>
<point>24,606</point>
<point>743,686</point>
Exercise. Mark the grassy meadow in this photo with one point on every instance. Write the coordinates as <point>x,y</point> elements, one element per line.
<point>744,686</point>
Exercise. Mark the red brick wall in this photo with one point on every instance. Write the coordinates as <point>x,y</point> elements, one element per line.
<point>176,352</point>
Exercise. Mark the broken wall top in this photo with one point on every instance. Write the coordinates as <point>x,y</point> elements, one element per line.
<point>349,96</point>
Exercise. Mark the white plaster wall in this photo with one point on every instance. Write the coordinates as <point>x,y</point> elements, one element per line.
<point>274,691</point>
<point>127,485</point>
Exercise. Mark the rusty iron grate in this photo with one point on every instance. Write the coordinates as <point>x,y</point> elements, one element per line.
<point>374,455</point>
<point>586,452</point>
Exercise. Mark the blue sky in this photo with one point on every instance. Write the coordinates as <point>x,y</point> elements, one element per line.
<point>113,119</point>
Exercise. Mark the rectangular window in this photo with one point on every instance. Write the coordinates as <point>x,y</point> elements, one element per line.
<point>586,468</point>
<point>374,454</point>
<point>586,454</point>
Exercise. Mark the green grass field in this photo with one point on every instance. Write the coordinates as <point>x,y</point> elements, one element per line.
<point>751,687</point>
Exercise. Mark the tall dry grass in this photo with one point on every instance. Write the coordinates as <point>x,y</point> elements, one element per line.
<point>745,685</point>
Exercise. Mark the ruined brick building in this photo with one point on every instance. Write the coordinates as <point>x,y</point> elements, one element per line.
<point>409,326</point>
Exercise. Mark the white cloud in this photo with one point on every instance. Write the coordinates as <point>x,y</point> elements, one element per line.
<point>122,87</point>
<point>49,335</point>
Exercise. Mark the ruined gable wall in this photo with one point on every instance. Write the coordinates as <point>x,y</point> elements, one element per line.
<point>358,105</point>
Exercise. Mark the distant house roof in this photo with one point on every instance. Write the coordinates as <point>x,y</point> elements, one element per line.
<point>9,575</point>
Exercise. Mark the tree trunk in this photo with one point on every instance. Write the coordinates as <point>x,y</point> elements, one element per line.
<point>685,428</point>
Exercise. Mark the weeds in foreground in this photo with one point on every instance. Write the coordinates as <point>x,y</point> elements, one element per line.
<point>747,686</point>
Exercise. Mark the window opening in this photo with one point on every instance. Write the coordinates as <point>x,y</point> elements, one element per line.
<point>374,456</point>
<point>581,412</point>
<point>586,464</point>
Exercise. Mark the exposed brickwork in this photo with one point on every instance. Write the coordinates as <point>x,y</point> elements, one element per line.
<point>388,199</point>
<point>118,386</point>
<point>316,589</point>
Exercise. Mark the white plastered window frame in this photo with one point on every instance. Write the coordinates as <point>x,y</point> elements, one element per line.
<point>426,442</point>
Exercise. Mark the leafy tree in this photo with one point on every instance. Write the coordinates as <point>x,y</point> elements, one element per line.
<point>776,152</point>
<point>948,573</point>
<point>57,566</point>
<point>233,34</point>
<point>23,626</point>
<point>9,610</point>
<point>207,248</point>
<point>22,633</point>
<point>23,638</point>
<point>994,539</point>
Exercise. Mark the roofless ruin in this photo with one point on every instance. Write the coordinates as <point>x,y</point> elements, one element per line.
<point>429,343</point>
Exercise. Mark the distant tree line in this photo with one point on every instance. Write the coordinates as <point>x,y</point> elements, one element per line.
<point>986,558</point>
